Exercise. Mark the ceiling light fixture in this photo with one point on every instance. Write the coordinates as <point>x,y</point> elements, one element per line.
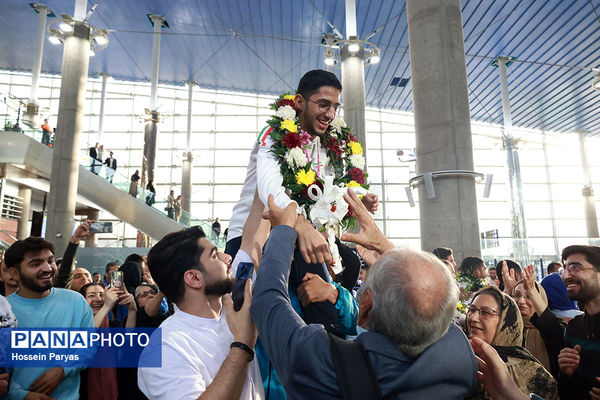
<point>54,39</point>
<point>335,46</point>
<point>65,27</point>
<point>596,82</point>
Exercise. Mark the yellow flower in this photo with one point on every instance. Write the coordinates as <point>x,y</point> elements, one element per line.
<point>305,178</point>
<point>289,96</point>
<point>355,147</point>
<point>291,126</point>
<point>353,184</point>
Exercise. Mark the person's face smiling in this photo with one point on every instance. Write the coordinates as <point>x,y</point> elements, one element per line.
<point>314,118</point>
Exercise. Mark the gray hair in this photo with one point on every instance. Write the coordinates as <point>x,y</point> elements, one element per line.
<point>414,299</point>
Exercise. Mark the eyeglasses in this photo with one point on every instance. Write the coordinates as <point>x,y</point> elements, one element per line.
<point>575,268</point>
<point>325,105</point>
<point>518,296</point>
<point>145,294</point>
<point>485,313</point>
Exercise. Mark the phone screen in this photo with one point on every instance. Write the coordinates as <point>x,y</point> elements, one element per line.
<point>116,279</point>
<point>243,273</point>
<point>101,227</point>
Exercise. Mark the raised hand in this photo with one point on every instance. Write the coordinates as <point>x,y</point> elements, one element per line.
<point>371,202</point>
<point>369,236</point>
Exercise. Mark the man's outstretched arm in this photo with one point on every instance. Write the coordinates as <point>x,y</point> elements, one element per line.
<point>280,327</point>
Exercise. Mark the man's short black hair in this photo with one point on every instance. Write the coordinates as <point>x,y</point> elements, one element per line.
<point>511,265</point>
<point>442,252</point>
<point>174,254</point>
<point>16,252</point>
<point>110,265</point>
<point>133,257</point>
<point>553,267</point>
<point>471,264</point>
<point>591,253</point>
<point>315,79</point>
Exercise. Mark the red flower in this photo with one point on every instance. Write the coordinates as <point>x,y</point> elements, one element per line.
<point>352,138</point>
<point>286,102</point>
<point>334,146</point>
<point>357,175</point>
<point>291,140</point>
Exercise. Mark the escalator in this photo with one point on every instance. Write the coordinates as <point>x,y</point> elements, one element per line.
<point>22,153</point>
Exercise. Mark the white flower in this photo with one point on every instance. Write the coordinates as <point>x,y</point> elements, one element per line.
<point>357,160</point>
<point>337,124</point>
<point>286,112</point>
<point>296,157</point>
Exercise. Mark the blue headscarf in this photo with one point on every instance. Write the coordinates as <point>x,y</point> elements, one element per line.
<point>556,290</point>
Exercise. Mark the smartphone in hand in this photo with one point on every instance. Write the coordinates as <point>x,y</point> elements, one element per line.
<point>244,271</point>
<point>116,279</point>
<point>101,227</point>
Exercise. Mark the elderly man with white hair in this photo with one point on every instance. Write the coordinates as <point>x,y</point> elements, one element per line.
<point>407,302</point>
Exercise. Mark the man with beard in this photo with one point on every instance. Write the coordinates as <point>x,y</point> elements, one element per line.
<point>206,345</point>
<point>37,304</point>
<point>579,357</point>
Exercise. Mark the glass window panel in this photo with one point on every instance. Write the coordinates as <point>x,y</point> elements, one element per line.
<point>238,140</point>
<point>492,209</point>
<point>223,210</point>
<point>571,227</point>
<point>541,246</point>
<point>533,192</point>
<point>201,193</point>
<point>230,175</point>
<point>201,175</point>
<point>406,229</point>
<point>227,192</point>
<point>401,210</point>
<point>539,227</point>
<point>503,226</point>
<point>202,211</point>
<point>531,157</point>
<point>236,124</point>
<point>569,209</point>
<point>537,210</point>
<point>533,175</point>
<point>566,174</point>
<point>565,191</point>
<point>201,140</point>
<point>236,158</point>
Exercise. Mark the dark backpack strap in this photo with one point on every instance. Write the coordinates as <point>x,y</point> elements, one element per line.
<point>354,370</point>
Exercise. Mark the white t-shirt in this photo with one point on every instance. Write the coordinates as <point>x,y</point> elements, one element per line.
<point>193,350</point>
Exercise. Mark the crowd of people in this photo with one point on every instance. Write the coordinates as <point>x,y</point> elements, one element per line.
<point>288,310</point>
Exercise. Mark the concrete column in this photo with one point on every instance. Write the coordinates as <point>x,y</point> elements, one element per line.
<point>65,157</point>
<point>186,170</point>
<point>92,241</point>
<point>30,117</point>
<point>151,128</point>
<point>104,76</point>
<point>353,81</point>
<point>591,219</point>
<point>23,224</point>
<point>39,51</point>
<point>150,134</point>
<point>442,125</point>
<point>519,230</point>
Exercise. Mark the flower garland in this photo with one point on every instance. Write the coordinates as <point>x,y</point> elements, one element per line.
<point>344,151</point>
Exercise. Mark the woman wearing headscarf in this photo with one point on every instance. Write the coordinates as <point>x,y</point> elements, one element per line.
<point>495,318</point>
<point>532,339</point>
